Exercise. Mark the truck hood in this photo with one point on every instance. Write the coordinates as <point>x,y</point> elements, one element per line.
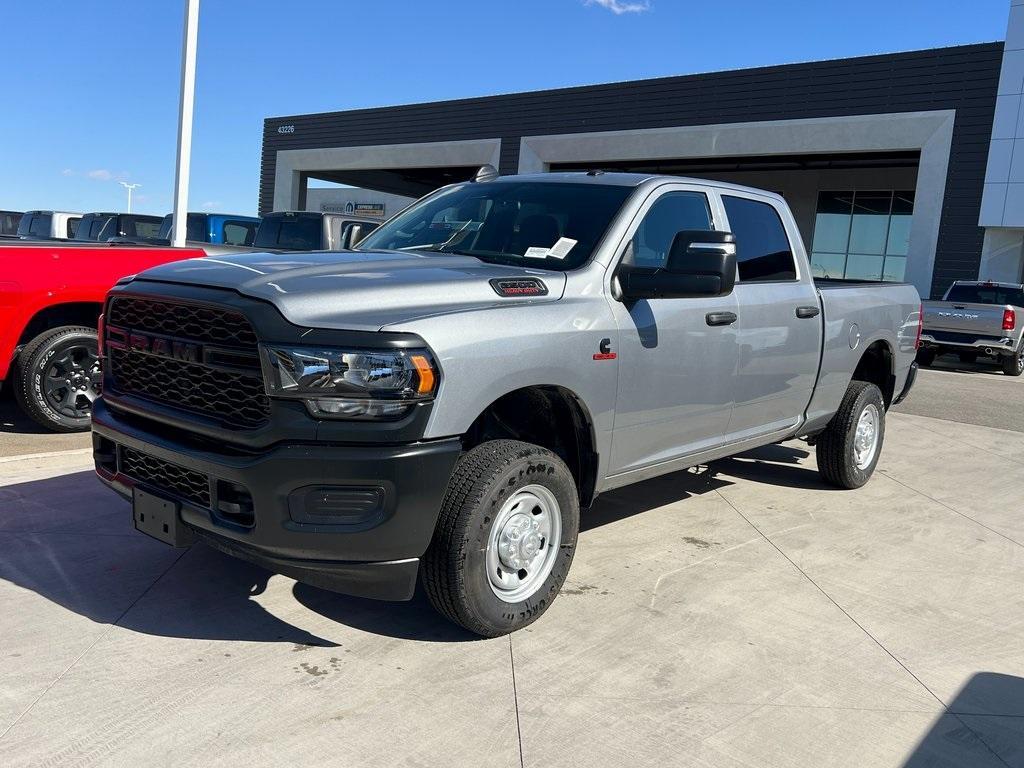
<point>358,290</point>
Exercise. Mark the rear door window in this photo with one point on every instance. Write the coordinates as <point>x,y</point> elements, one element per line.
<point>763,250</point>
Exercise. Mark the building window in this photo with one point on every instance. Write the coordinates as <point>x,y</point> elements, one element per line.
<point>862,235</point>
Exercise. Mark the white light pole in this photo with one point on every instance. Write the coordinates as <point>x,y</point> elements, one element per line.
<point>188,86</point>
<point>129,187</point>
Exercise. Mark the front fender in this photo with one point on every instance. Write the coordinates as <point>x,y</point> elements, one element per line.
<point>486,354</point>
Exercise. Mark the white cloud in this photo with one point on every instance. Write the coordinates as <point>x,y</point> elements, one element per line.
<point>100,174</point>
<point>211,205</point>
<point>618,7</point>
<point>67,172</point>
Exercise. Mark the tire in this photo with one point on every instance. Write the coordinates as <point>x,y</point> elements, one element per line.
<point>501,481</point>
<point>925,357</point>
<point>1013,365</point>
<point>57,377</point>
<point>841,460</point>
<point>968,357</point>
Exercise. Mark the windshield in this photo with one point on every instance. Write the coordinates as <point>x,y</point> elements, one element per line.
<point>195,227</point>
<point>291,232</point>
<point>92,226</point>
<point>986,294</point>
<point>137,226</point>
<point>550,225</point>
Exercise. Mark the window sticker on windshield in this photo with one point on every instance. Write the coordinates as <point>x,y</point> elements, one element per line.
<point>536,252</point>
<point>561,249</point>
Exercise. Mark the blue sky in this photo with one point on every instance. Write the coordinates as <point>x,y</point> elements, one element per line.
<point>91,87</point>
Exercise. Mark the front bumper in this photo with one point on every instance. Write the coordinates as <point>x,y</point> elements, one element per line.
<point>251,504</point>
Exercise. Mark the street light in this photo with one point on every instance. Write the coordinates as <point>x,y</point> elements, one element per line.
<point>129,187</point>
<point>188,87</point>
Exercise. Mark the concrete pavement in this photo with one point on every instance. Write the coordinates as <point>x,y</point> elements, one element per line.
<point>740,615</point>
<point>970,393</point>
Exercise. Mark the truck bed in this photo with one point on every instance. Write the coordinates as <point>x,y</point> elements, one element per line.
<point>855,315</point>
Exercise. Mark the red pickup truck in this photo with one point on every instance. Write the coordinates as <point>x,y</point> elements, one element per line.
<point>50,299</point>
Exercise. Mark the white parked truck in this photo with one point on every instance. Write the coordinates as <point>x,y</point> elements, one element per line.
<point>49,225</point>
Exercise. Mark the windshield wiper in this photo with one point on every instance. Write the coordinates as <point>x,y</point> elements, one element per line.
<point>436,247</point>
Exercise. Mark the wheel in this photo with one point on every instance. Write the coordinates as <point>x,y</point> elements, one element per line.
<point>849,448</point>
<point>505,537</point>
<point>57,377</point>
<point>1013,365</point>
<point>925,356</point>
<point>968,357</point>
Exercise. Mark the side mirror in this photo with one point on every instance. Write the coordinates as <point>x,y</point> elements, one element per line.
<point>700,263</point>
<point>352,235</point>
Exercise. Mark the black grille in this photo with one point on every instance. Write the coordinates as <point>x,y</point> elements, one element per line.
<point>162,475</point>
<point>188,321</point>
<point>236,398</point>
<point>232,394</point>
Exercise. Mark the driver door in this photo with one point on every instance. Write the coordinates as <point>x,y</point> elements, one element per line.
<point>677,359</point>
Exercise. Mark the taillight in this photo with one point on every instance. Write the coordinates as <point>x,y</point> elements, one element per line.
<point>920,322</point>
<point>1009,319</point>
<point>99,333</point>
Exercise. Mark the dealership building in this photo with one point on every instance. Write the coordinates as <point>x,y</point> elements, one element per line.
<point>905,166</point>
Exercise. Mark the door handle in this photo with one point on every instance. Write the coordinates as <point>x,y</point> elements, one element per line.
<point>805,312</point>
<point>720,318</point>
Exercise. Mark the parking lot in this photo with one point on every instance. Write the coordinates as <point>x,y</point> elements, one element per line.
<point>741,614</point>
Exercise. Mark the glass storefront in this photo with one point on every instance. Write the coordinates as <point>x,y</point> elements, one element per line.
<point>862,235</point>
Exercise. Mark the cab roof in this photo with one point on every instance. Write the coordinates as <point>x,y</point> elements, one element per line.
<point>622,179</point>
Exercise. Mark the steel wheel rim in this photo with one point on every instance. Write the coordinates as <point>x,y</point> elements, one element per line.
<point>72,381</point>
<point>523,543</point>
<point>865,437</point>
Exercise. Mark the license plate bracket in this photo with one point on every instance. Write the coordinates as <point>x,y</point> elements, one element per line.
<point>159,518</point>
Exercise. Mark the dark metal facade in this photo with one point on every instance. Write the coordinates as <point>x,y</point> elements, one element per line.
<point>962,78</point>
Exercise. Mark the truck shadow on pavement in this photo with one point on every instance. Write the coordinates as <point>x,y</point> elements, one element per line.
<point>781,464</point>
<point>982,726</point>
<point>14,421</point>
<point>71,541</point>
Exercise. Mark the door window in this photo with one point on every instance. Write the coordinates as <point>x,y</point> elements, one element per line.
<point>239,232</point>
<point>671,213</point>
<point>763,252</point>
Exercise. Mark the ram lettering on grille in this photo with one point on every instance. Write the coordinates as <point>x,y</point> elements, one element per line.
<point>155,351</point>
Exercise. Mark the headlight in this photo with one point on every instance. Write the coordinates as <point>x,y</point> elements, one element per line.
<point>350,384</point>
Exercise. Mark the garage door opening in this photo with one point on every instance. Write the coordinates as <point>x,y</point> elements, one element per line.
<point>854,210</point>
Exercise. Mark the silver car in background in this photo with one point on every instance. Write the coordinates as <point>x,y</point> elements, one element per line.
<point>976,318</point>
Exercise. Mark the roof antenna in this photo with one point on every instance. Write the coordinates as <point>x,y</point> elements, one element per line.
<point>595,172</point>
<point>486,173</point>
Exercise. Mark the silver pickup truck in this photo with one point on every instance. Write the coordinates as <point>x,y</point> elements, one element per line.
<point>444,401</point>
<point>976,318</point>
